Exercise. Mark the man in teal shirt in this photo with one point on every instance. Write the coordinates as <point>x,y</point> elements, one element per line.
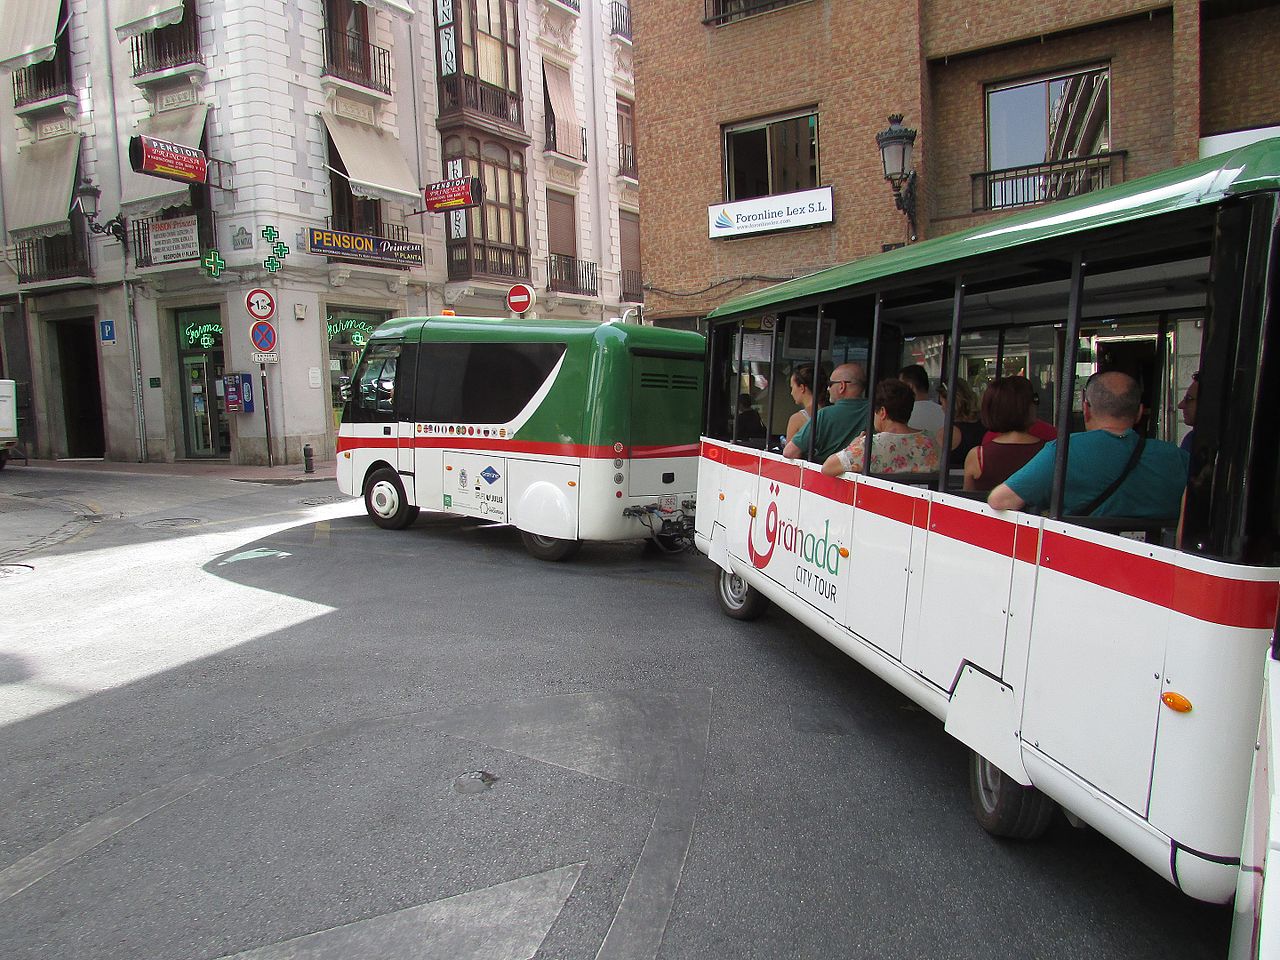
<point>1096,457</point>
<point>839,423</point>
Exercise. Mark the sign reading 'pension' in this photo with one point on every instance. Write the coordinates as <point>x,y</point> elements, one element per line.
<point>360,246</point>
<point>452,194</point>
<point>779,212</point>
<point>171,161</point>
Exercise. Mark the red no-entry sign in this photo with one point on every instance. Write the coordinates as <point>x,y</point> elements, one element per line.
<point>520,297</point>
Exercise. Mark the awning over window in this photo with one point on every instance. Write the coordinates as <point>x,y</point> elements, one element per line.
<point>560,93</point>
<point>397,8</point>
<point>28,32</point>
<point>144,196</point>
<point>38,188</point>
<point>133,17</point>
<point>376,167</point>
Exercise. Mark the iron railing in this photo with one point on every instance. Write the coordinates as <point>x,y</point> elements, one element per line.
<point>144,250</point>
<point>1042,182</point>
<point>387,231</point>
<point>474,258</point>
<point>621,20</point>
<point>571,275</point>
<point>348,56</point>
<point>54,258</point>
<point>725,11</point>
<point>43,81</point>
<point>561,140</point>
<point>632,286</point>
<point>173,46</point>
<point>574,5</point>
<point>462,92</point>
<point>627,161</point>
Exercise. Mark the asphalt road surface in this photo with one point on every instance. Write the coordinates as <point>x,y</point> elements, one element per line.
<point>241,721</point>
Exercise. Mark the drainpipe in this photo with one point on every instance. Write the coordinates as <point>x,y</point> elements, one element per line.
<point>599,168</point>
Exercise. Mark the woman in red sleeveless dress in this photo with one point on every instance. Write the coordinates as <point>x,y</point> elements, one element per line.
<point>1008,410</point>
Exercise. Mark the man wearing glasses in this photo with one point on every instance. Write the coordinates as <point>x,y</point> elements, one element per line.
<point>839,423</point>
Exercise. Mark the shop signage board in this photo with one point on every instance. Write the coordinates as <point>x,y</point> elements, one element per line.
<point>170,161</point>
<point>455,194</point>
<point>173,241</point>
<point>361,246</point>
<point>520,298</point>
<point>780,212</point>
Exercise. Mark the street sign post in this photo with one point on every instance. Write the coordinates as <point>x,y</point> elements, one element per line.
<point>520,298</point>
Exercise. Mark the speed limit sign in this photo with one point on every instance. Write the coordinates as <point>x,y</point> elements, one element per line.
<point>260,304</point>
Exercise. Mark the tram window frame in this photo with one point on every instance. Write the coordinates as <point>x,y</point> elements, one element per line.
<point>371,400</point>
<point>477,382</point>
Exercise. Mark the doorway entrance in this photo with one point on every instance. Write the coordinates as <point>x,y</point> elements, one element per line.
<point>81,387</point>
<point>207,431</point>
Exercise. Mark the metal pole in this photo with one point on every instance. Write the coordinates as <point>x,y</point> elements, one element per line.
<point>266,412</point>
<point>953,371</point>
<point>817,380</point>
<point>1000,355</point>
<point>1067,375</point>
<point>737,385</point>
<point>873,365</point>
<point>773,381</point>
<point>1157,387</point>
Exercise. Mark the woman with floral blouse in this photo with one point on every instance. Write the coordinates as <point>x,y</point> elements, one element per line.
<point>895,447</point>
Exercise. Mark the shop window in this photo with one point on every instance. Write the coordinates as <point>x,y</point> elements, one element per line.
<point>481,382</point>
<point>770,156</point>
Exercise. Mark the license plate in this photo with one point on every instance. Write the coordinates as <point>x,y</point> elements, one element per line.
<point>667,501</point>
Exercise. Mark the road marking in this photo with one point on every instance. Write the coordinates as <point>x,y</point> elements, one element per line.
<point>322,532</point>
<point>507,921</point>
<point>257,553</point>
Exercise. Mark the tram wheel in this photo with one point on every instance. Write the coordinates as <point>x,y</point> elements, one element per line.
<point>1004,807</point>
<point>385,501</point>
<point>737,599</point>
<point>549,548</point>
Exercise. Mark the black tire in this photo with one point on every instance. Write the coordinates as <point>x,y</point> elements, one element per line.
<point>4,458</point>
<point>385,501</point>
<point>738,600</point>
<point>549,548</point>
<point>1004,807</point>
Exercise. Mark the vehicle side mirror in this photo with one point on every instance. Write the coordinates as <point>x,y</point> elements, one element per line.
<point>344,388</point>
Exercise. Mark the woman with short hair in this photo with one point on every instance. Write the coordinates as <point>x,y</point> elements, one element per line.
<point>1008,411</point>
<point>895,447</point>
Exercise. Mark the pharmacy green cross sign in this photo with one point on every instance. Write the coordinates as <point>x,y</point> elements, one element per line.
<point>270,234</point>
<point>214,264</point>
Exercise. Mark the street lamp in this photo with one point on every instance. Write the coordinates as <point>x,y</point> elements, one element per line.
<point>895,153</point>
<point>87,196</point>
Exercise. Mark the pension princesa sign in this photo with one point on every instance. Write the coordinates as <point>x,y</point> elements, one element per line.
<point>364,248</point>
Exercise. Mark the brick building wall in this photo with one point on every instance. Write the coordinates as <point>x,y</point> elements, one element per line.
<point>1241,64</point>
<point>951,27</point>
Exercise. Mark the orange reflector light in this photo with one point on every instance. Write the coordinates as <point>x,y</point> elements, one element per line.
<point>448,313</point>
<point>844,552</point>
<point>752,509</point>
<point>347,454</point>
<point>448,468</point>
<point>1176,701</point>
<point>573,483</point>
<point>722,496</point>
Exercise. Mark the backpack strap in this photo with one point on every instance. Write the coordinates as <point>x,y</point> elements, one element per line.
<point>1115,485</point>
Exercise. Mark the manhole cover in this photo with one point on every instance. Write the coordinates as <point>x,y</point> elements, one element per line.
<point>321,501</point>
<point>478,781</point>
<point>172,522</point>
<point>14,569</point>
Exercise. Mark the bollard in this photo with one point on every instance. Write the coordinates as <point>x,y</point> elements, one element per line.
<point>308,459</point>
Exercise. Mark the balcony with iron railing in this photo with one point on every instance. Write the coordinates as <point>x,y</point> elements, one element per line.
<point>726,11</point>
<point>621,21</point>
<point>627,161</point>
<point>566,140</point>
<point>349,57</point>
<point>1043,182</point>
<point>163,239</point>
<point>168,48</point>
<point>43,81</point>
<point>571,275</point>
<point>469,259</point>
<point>62,257</point>
<point>462,94</point>
<point>632,287</point>
<point>572,5</point>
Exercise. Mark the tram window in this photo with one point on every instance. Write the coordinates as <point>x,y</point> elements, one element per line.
<point>373,386</point>
<point>481,382</point>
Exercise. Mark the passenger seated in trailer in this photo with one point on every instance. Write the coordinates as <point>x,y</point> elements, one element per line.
<point>802,392</point>
<point>895,447</point>
<point>1111,470</point>
<point>966,429</point>
<point>926,415</point>
<point>750,426</point>
<point>839,423</point>
<point>1008,413</point>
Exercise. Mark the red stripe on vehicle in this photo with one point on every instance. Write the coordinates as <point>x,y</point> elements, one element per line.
<point>359,443</point>
<point>989,533</point>
<point>713,453</point>
<point>1249,604</point>
<point>737,460</point>
<point>580,451</point>
<point>1026,544</point>
<point>832,488</point>
<point>787,473</point>
<point>671,450</point>
<point>885,503</point>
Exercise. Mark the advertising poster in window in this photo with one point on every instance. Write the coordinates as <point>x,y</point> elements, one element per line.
<point>780,212</point>
<point>174,240</point>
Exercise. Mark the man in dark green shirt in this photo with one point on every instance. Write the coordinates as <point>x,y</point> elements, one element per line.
<point>839,423</point>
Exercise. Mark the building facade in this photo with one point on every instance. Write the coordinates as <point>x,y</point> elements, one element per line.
<point>757,133</point>
<point>128,301</point>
